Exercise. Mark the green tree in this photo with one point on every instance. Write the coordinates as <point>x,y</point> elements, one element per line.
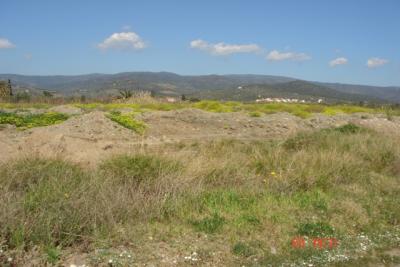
<point>47,94</point>
<point>125,93</point>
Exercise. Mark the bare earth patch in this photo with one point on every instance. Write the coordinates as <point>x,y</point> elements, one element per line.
<point>91,137</point>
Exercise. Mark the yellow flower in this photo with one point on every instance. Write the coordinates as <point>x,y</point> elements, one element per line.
<point>66,195</point>
<point>273,173</point>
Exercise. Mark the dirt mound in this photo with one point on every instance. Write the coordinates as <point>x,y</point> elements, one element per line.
<point>90,137</point>
<point>197,124</point>
<point>66,109</point>
<point>84,139</point>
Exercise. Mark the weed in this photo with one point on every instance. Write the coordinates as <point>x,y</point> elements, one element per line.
<point>349,129</point>
<point>255,114</point>
<point>137,169</point>
<point>319,229</point>
<point>242,249</point>
<point>209,224</point>
<point>128,122</point>
<point>53,255</point>
<point>33,120</point>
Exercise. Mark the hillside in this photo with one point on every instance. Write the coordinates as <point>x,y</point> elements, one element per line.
<point>223,87</point>
<point>296,89</point>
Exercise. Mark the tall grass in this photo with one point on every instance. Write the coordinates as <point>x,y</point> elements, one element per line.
<point>249,195</point>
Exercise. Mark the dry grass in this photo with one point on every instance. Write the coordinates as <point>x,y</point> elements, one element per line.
<point>248,196</point>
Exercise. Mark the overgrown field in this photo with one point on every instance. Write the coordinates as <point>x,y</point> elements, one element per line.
<point>253,109</point>
<point>225,203</point>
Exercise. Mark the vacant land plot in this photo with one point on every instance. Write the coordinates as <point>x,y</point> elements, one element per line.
<point>198,186</point>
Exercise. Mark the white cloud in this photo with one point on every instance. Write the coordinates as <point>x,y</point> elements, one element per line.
<point>28,56</point>
<point>275,55</point>
<point>123,41</point>
<point>338,61</point>
<point>5,43</point>
<point>375,62</point>
<point>222,49</point>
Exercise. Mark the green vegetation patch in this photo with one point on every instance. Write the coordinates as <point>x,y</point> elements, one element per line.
<point>319,229</point>
<point>302,110</point>
<point>210,224</point>
<point>137,169</point>
<point>127,121</point>
<point>242,249</point>
<point>32,120</point>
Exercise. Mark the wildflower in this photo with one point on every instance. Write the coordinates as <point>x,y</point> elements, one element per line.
<point>273,173</point>
<point>9,259</point>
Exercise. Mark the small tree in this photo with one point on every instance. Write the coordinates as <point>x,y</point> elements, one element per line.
<point>125,93</point>
<point>183,98</point>
<point>47,94</point>
<point>83,99</point>
<point>10,87</point>
<point>22,96</point>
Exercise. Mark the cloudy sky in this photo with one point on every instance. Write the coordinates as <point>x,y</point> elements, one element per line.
<point>347,41</point>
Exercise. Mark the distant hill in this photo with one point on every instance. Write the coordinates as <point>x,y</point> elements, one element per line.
<point>391,94</point>
<point>224,87</point>
<point>297,89</point>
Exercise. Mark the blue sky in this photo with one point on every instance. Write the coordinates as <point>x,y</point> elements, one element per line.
<point>346,41</point>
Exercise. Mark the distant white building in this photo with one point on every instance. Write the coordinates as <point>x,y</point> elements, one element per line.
<point>279,100</point>
<point>170,99</point>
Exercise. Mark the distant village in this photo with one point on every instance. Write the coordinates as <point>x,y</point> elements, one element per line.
<point>285,100</point>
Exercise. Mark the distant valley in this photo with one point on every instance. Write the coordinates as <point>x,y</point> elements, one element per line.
<point>219,87</point>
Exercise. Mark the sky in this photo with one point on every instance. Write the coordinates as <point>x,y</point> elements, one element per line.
<point>346,41</point>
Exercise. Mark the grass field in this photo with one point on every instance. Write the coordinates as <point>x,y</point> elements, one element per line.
<point>241,201</point>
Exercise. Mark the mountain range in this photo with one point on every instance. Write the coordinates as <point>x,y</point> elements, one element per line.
<point>246,87</point>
